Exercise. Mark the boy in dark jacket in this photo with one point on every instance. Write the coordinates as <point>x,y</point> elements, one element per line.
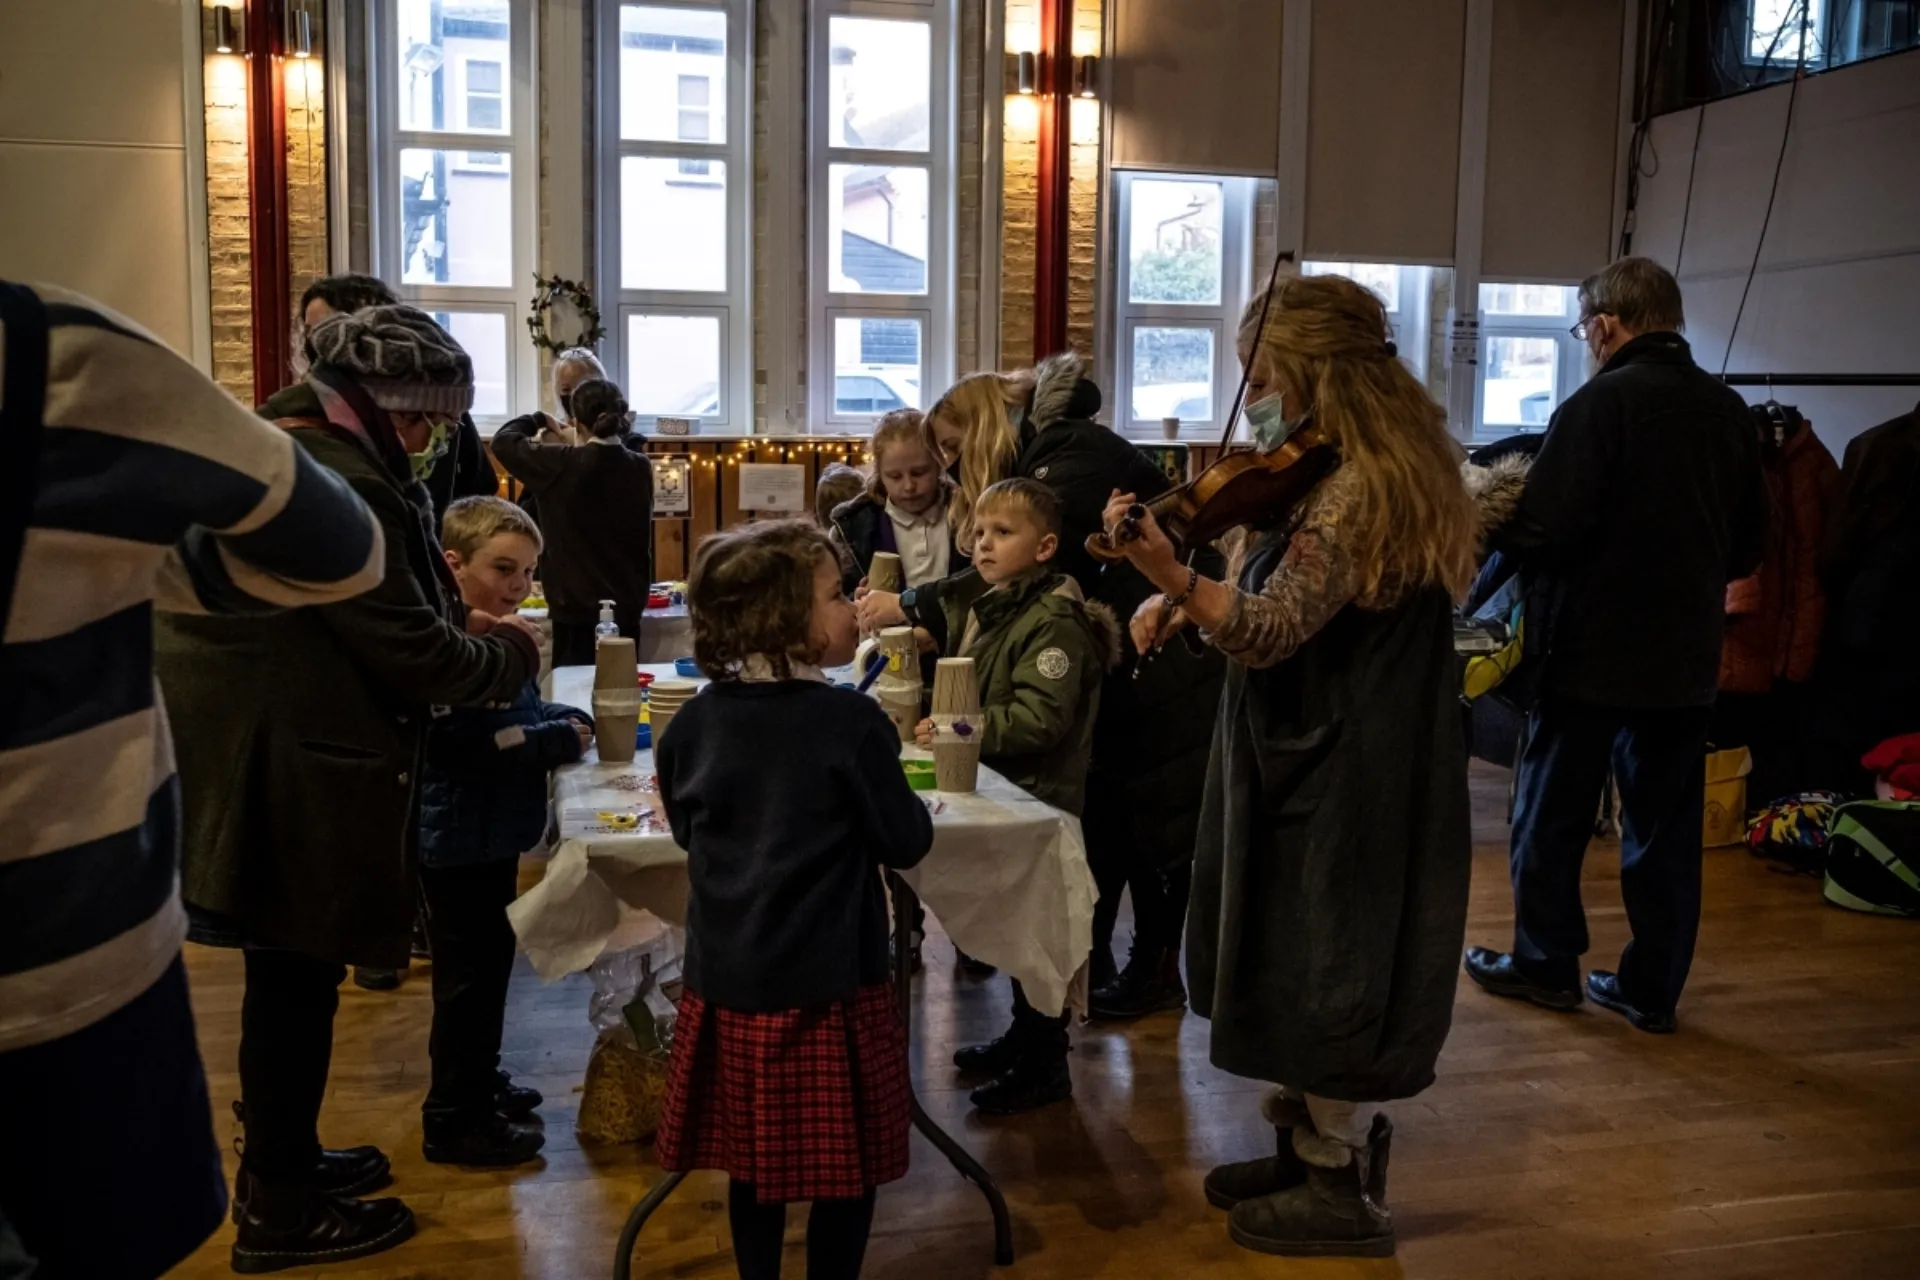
<point>483,804</point>
<point>1040,652</point>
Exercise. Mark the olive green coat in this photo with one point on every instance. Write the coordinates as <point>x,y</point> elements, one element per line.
<point>299,736</point>
<point>1040,652</point>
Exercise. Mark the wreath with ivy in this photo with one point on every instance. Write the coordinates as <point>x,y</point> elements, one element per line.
<point>563,315</point>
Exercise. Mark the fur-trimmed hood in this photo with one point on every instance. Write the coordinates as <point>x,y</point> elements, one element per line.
<point>1062,391</point>
<point>1495,489</point>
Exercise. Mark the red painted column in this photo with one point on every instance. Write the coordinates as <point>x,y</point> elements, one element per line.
<point>1054,172</point>
<point>267,198</point>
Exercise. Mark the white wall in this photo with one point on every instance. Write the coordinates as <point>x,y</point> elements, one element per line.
<point>1838,287</point>
<point>96,159</point>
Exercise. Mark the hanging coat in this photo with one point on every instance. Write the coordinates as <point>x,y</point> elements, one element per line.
<point>1330,877</point>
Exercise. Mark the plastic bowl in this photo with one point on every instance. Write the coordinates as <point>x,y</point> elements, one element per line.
<point>687,668</point>
<point>920,776</point>
<point>643,679</point>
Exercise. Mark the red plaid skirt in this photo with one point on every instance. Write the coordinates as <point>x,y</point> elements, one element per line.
<point>805,1104</point>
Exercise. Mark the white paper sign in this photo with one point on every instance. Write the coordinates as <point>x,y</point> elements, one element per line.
<point>672,485</point>
<point>773,487</point>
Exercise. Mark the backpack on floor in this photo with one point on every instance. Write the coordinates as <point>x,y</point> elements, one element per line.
<point>1793,831</point>
<point>1873,858</point>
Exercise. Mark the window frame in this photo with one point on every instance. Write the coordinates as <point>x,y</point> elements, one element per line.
<point>1569,370</point>
<point>934,308</point>
<point>733,305</point>
<point>1816,38</point>
<point>1222,318</point>
<point>519,142</point>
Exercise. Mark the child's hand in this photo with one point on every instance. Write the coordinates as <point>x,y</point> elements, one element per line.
<point>923,733</point>
<point>586,735</point>
<point>879,609</point>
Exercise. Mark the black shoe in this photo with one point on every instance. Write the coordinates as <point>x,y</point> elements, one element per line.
<point>994,1058</point>
<point>1604,987</point>
<point>1229,1184</point>
<point>974,968</point>
<point>352,1171</point>
<point>1149,984</point>
<point>378,979</point>
<point>492,1142</point>
<point>516,1101</point>
<point>1030,1084</point>
<point>1329,1215</point>
<point>295,1226</point>
<point>1496,972</point>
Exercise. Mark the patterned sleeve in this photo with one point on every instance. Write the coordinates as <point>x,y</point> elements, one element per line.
<point>1315,579</point>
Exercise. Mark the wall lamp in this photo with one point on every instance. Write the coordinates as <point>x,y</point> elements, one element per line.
<point>1023,69</point>
<point>1086,77</point>
<point>300,30</point>
<point>226,38</point>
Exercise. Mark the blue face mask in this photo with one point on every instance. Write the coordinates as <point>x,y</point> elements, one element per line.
<point>1267,421</point>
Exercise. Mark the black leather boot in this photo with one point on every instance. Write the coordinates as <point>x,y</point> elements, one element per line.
<point>997,1055</point>
<point>487,1141</point>
<point>1038,1079</point>
<point>1149,984</point>
<point>516,1101</point>
<point>350,1171</point>
<point>288,1225</point>
<point>1330,1215</point>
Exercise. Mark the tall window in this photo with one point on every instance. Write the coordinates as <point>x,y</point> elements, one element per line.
<point>675,176</point>
<point>452,186</point>
<point>1184,270</point>
<point>880,226</point>
<point>1529,361</point>
<point>1407,294</point>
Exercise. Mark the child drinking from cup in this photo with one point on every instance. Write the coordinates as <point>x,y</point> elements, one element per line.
<point>789,1067</point>
<point>1040,652</point>
<point>483,804</point>
<point>904,508</point>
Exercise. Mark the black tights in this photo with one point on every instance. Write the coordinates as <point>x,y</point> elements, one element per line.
<point>836,1235</point>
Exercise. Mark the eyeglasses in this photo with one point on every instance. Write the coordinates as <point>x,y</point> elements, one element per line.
<point>1579,330</point>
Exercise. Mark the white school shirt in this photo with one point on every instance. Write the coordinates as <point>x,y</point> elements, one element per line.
<point>923,543</point>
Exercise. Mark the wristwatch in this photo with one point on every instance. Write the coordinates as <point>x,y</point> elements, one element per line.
<point>909,604</point>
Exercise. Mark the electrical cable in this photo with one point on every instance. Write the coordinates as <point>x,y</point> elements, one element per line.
<point>1779,163</point>
<point>1686,208</point>
<point>1642,141</point>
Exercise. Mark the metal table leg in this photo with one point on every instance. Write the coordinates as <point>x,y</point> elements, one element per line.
<point>904,904</point>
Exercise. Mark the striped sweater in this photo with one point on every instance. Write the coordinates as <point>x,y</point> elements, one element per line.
<point>153,488</point>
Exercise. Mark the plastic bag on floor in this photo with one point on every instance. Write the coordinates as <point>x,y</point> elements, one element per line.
<point>633,1007</point>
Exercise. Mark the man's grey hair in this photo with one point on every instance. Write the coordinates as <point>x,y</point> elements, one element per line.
<point>1639,292</point>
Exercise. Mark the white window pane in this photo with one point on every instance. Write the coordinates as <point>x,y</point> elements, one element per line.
<point>880,89</point>
<point>456,217</point>
<point>673,224</point>
<point>673,365</point>
<point>1519,382</point>
<point>444,51</point>
<point>1172,373</point>
<point>1775,34</point>
<point>1381,277</point>
<point>1526,299</point>
<point>1173,242</point>
<point>483,335</point>
<point>876,229</point>
<point>876,364</point>
<point>662,53</point>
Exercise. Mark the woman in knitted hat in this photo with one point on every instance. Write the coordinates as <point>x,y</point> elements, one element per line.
<point>299,738</point>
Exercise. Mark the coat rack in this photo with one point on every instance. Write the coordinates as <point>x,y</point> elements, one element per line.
<point>1821,379</point>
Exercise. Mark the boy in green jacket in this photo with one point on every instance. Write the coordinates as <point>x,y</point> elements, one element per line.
<point>1040,652</point>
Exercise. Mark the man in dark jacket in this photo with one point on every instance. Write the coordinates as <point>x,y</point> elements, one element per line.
<point>1646,500</point>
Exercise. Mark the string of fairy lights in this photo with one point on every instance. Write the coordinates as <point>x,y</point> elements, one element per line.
<point>852,453</point>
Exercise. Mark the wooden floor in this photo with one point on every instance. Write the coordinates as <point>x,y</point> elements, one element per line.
<point>1778,1135</point>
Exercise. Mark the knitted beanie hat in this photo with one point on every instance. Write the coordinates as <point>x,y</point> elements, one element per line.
<point>405,362</point>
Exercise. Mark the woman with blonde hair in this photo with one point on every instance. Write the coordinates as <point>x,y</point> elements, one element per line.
<point>1330,877</point>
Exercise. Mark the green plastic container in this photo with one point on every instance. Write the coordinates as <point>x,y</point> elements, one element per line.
<point>919,774</point>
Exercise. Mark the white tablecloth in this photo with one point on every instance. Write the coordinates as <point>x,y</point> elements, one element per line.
<point>1007,875</point>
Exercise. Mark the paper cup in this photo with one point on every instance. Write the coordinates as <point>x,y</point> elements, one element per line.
<point>616,717</point>
<point>886,573</point>
<point>1169,428</point>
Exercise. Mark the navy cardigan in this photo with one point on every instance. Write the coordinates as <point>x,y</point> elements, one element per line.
<point>483,793</point>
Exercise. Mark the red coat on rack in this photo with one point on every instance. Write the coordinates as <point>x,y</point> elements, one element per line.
<point>1776,615</point>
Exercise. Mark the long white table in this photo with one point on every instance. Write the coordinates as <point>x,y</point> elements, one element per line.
<point>1007,875</point>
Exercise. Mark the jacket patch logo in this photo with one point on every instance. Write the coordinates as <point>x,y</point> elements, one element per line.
<point>1053,663</point>
<point>1040,473</point>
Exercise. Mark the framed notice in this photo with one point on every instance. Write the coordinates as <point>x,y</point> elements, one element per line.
<point>778,488</point>
<point>672,484</point>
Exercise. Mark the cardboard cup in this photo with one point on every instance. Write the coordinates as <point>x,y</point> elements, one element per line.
<point>616,718</point>
<point>886,573</point>
<point>1169,428</point>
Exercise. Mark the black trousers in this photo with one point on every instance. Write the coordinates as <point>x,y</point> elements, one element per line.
<point>1041,1036</point>
<point>286,1044</point>
<point>837,1232</point>
<point>473,948</point>
<point>1159,907</point>
<point>108,1165</point>
<point>573,641</point>
<point>1659,760</point>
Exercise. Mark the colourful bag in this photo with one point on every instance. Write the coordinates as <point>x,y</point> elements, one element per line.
<point>1873,858</point>
<point>1794,830</point>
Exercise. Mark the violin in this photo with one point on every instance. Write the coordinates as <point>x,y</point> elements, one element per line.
<point>1244,488</point>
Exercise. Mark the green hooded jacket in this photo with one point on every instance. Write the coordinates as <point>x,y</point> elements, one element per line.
<point>1040,651</point>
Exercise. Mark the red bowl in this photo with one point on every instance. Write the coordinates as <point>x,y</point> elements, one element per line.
<point>658,601</point>
<point>643,679</point>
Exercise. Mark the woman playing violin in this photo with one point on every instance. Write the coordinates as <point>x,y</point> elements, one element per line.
<point>1330,877</point>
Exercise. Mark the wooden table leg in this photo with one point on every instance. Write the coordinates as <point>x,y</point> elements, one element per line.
<point>904,903</point>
